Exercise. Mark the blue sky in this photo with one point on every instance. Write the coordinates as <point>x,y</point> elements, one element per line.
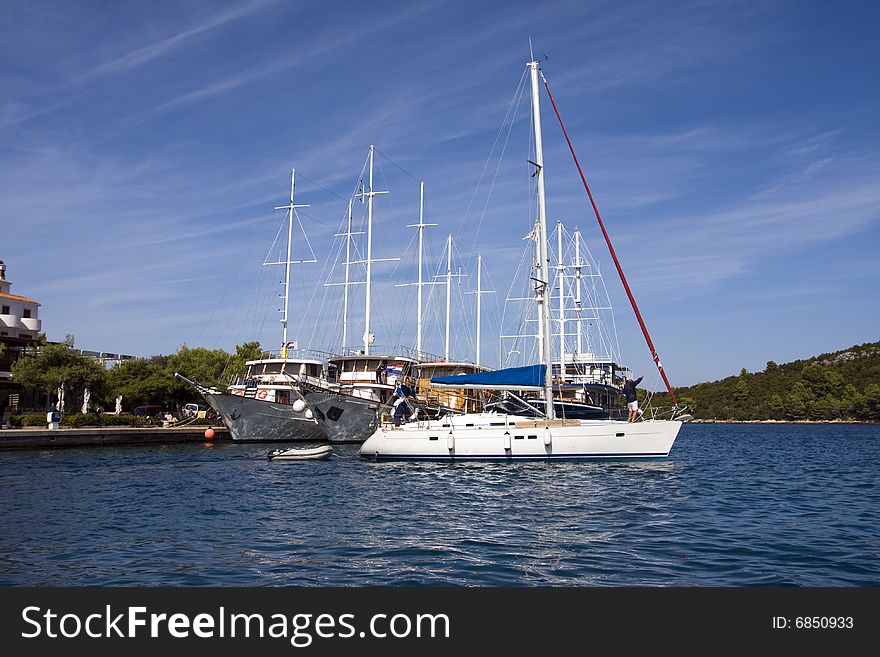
<point>731,147</point>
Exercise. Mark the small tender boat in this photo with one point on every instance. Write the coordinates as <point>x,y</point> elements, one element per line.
<point>301,453</point>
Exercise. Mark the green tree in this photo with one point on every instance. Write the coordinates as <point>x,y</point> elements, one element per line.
<point>141,381</point>
<point>852,402</point>
<point>776,407</point>
<point>871,409</point>
<point>53,364</point>
<point>816,378</point>
<point>741,393</point>
<point>798,401</point>
<point>236,364</point>
<point>822,408</point>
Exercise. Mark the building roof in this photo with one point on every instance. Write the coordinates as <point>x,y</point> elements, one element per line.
<point>15,297</point>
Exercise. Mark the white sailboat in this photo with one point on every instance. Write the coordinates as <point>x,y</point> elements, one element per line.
<point>496,436</point>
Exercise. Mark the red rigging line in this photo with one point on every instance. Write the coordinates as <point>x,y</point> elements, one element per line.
<point>629,293</point>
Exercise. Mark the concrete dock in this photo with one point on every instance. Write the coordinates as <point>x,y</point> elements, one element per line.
<point>106,436</point>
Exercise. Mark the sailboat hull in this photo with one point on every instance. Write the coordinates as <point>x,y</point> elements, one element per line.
<point>524,440</point>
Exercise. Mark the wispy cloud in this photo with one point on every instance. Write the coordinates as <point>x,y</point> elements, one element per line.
<point>765,225</point>
<point>134,57</point>
<point>336,40</point>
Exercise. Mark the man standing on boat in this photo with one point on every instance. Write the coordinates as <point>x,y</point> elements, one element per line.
<point>632,403</point>
<point>401,405</point>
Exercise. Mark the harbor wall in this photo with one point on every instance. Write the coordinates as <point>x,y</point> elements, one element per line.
<point>106,436</point>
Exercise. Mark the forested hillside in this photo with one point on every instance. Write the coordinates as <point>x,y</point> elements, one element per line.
<point>843,385</point>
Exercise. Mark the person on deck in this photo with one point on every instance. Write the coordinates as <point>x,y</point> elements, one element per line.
<point>401,405</point>
<point>382,373</point>
<point>629,391</point>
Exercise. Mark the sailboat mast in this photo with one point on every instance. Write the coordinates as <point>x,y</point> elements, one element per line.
<point>347,274</point>
<point>537,267</point>
<point>291,208</point>
<point>577,292</point>
<point>544,261</point>
<point>367,335</point>
<point>560,271</point>
<point>479,294</point>
<point>287,264</point>
<point>421,281</point>
<point>448,291</point>
<point>421,252</point>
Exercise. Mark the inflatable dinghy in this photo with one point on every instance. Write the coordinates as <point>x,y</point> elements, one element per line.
<point>301,453</point>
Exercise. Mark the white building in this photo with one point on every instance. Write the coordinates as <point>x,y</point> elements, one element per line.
<point>19,328</point>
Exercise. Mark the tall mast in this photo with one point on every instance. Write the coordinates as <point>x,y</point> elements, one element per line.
<point>421,283</point>
<point>367,335</point>
<point>544,260</point>
<point>287,262</point>
<point>448,291</point>
<point>560,275</point>
<point>480,292</point>
<point>290,212</point>
<point>448,276</point>
<point>540,323</point>
<point>421,251</point>
<point>577,289</point>
<point>347,272</point>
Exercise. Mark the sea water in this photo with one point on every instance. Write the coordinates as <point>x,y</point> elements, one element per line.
<point>734,505</point>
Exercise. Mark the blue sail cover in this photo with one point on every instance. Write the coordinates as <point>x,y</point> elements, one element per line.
<point>531,376</point>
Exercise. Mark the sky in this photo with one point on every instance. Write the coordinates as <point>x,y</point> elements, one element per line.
<point>731,148</point>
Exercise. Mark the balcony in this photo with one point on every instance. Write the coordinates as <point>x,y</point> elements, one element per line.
<point>9,321</point>
<point>31,324</point>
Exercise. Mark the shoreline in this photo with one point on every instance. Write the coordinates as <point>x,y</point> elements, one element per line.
<point>38,438</point>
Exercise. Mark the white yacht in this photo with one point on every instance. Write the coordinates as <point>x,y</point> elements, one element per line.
<point>499,436</point>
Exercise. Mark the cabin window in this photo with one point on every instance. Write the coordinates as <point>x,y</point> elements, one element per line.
<point>433,438</point>
<point>496,424</point>
<point>273,368</point>
<point>533,437</point>
<point>518,437</point>
<point>282,396</point>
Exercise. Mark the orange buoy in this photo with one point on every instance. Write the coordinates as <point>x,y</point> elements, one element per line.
<point>209,433</point>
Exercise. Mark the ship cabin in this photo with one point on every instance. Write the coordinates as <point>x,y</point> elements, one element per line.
<point>443,399</point>
<point>368,376</point>
<point>589,380</point>
<point>270,379</point>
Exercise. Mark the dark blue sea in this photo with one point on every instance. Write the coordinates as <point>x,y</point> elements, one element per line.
<point>735,505</point>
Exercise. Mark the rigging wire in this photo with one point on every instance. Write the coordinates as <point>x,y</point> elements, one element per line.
<point>629,293</point>
<point>512,106</point>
